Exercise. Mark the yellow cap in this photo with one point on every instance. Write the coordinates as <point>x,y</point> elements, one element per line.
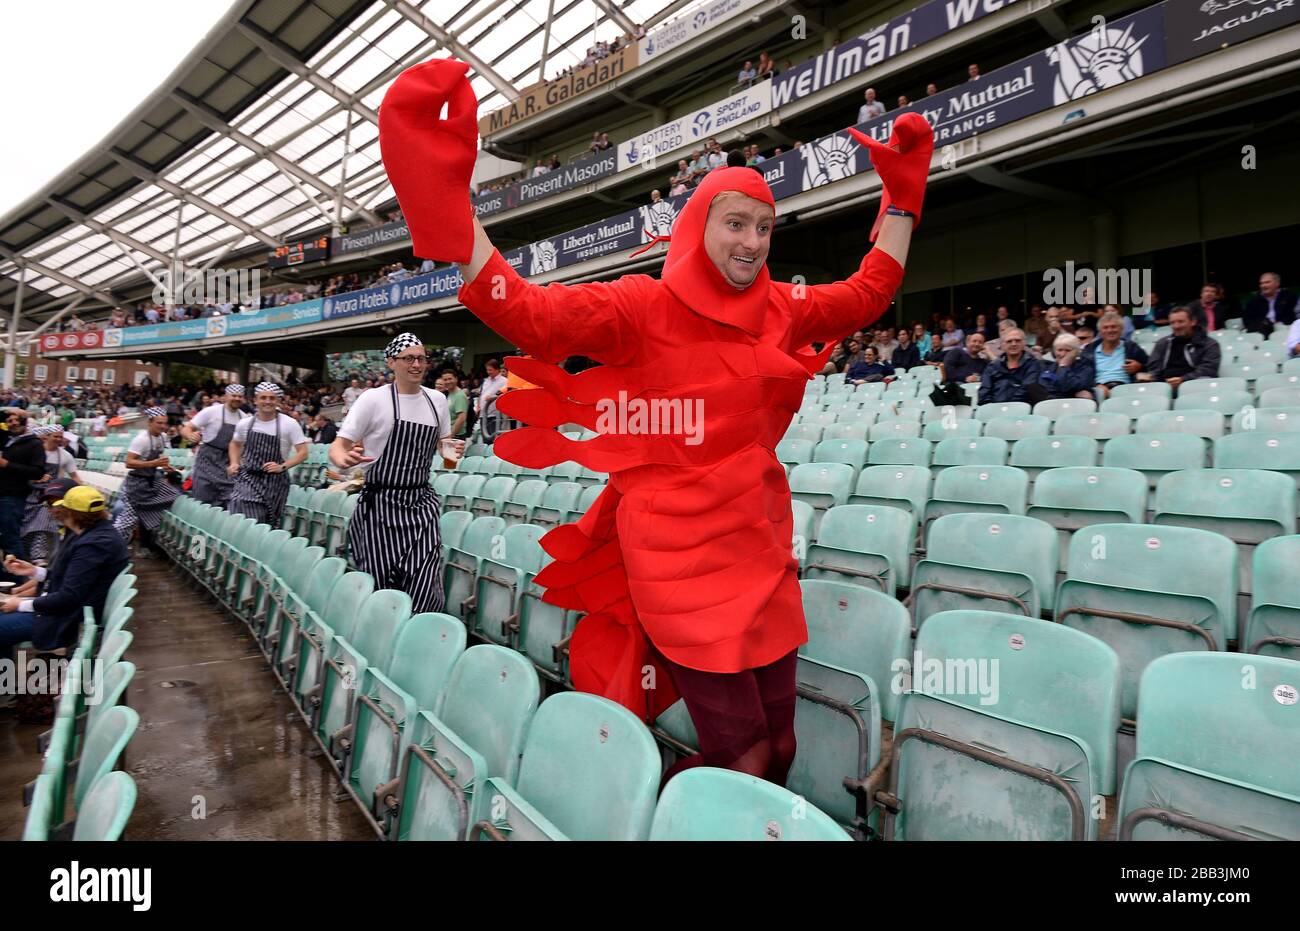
<point>83,498</point>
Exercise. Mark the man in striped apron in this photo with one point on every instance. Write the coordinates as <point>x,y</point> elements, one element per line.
<point>394,433</point>
<point>147,493</point>
<point>214,428</point>
<point>260,459</point>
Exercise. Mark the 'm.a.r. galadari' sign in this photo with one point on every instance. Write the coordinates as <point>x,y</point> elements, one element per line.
<point>547,94</point>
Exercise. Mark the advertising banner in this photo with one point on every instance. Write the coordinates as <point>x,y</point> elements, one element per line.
<point>676,32</point>
<point>87,339</point>
<point>368,239</point>
<point>1198,27</point>
<point>693,129</point>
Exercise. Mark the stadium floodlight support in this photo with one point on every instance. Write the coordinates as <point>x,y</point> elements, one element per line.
<point>285,59</point>
<point>546,40</point>
<point>292,170</point>
<point>617,16</point>
<point>142,171</point>
<point>343,178</point>
<point>103,229</point>
<point>433,30</point>
<point>11,351</point>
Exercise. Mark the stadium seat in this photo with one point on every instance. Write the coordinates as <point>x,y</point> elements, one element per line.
<point>1096,425</point>
<point>316,634</point>
<point>1225,402</point>
<point>1268,420</point>
<point>938,430</point>
<point>854,429</point>
<point>1129,585</point>
<point>589,770</point>
<point>894,428</point>
<point>1276,452</point>
<point>463,562</point>
<point>899,452</point>
<point>1052,757</point>
<point>1204,423</point>
<point>1214,386</point>
<point>711,804</point>
<point>103,747</point>
<point>991,562</point>
<point>304,601</point>
<point>864,544</point>
<point>1135,405</point>
<point>821,485</point>
<point>502,579</point>
<point>525,496</point>
<point>804,431</point>
<point>979,488</point>
<point>492,497</point>
<point>1280,397</point>
<point>388,702</point>
<point>1077,496</point>
<point>1273,626</point>
<point>1248,506</point>
<point>1035,453</point>
<point>106,809</point>
<point>900,486</point>
<point>947,413</point>
<point>1004,409</point>
<point>850,452</point>
<point>1013,427</point>
<point>377,629</point>
<point>477,732</point>
<point>451,525</point>
<point>1154,454</point>
<point>1057,408</point>
<point>795,452</point>
<point>969,451</point>
<point>1215,758</point>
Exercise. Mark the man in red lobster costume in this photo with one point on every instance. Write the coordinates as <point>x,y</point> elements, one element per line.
<point>683,565</point>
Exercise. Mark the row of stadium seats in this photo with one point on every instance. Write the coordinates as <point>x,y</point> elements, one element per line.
<point>90,735</point>
<point>1228,395</point>
<point>436,741</point>
<point>450,743</point>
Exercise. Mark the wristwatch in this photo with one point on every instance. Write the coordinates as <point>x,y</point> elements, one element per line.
<point>895,211</point>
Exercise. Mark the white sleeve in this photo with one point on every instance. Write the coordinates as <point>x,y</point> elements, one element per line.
<point>444,411</point>
<point>292,431</point>
<point>242,428</point>
<point>140,445</point>
<point>357,423</point>
<point>1293,336</point>
<point>202,418</point>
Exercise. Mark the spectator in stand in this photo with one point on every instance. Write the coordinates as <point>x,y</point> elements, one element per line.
<point>677,185</point>
<point>922,340</point>
<point>973,72</point>
<point>952,337</point>
<point>1071,376</point>
<point>905,356</point>
<point>993,347</point>
<point>983,326</point>
<point>903,101</point>
<point>1010,377</point>
<point>1115,360</point>
<point>655,196</point>
<point>871,107</point>
<point>540,168</point>
<point>931,90</point>
<point>716,157</point>
<point>555,164</point>
<point>736,159</point>
<point>1085,334</point>
<point>603,143</point>
<point>766,67</point>
<point>1186,353</point>
<point>747,73</point>
<point>965,364</point>
<point>867,367</point>
<point>1269,306</point>
<point>885,344</point>
<point>1036,325</point>
<point>595,143</point>
<point>1211,311</point>
<point>1154,312</point>
<point>457,403</point>
<point>1052,316</point>
<point>22,461</point>
<point>699,165</point>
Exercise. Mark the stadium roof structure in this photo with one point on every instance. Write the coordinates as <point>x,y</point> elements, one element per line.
<point>269,129</point>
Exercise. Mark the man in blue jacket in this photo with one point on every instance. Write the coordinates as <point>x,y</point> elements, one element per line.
<point>1009,377</point>
<point>88,561</point>
<point>1115,360</point>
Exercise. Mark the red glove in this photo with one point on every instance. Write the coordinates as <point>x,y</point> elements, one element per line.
<point>903,165</point>
<point>430,161</point>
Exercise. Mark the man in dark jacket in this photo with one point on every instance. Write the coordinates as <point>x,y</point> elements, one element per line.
<point>966,363</point>
<point>905,356</point>
<point>1271,305</point>
<point>1115,360</point>
<point>22,461</point>
<point>1212,312</point>
<point>1010,377</point>
<point>83,571</point>
<point>1186,353</point>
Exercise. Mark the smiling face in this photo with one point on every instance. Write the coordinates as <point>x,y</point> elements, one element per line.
<point>737,237</point>
<point>268,404</point>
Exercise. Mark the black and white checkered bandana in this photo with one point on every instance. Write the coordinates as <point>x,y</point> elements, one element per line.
<point>152,412</point>
<point>400,342</point>
<point>235,389</point>
<point>268,387</point>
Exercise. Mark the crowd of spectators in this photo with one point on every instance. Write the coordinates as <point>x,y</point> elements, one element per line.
<point>1068,351</point>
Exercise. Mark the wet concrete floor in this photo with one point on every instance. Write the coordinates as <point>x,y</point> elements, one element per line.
<point>220,753</point>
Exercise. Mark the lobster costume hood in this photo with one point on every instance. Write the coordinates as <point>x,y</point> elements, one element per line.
<point>687,551</point>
